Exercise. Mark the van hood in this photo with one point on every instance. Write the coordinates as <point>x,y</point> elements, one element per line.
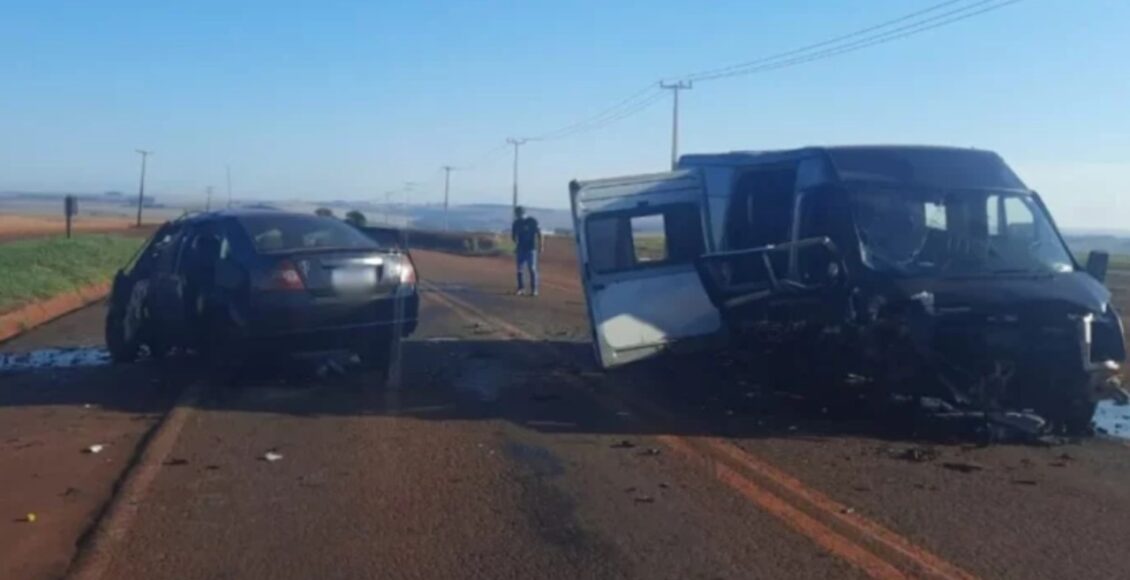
<point>1070,291</point>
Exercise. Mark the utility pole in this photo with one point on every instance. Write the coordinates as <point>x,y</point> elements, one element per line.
<point>388,203</point>
<point>228,169</point>
<point>208,198</point>
<point>675,88</point>
<point>447,169</point>
<point>141,189</point>
<point>516,143</point>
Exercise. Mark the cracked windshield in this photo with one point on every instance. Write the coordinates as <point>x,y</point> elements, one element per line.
<point>576,289</point>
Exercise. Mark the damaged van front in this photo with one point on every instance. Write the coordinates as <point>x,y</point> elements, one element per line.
<point>949,281</point>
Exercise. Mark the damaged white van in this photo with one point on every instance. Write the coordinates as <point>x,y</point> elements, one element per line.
<point>922,271</point>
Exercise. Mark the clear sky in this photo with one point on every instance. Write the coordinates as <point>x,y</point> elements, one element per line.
<point>333,99</point>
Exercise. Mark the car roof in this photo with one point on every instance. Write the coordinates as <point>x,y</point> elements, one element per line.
<point>208,216</point>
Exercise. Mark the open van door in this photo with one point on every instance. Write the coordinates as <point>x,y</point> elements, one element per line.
<point>637,241</point>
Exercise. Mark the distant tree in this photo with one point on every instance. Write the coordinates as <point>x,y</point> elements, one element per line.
<point>356,218</point>
<point>324,212</point>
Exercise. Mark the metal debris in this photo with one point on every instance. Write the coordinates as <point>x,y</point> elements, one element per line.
<point>623,444</point>
<point>272,456</point>
<point>97,448</point>
<point>918,454</point>
<point>963,467</point>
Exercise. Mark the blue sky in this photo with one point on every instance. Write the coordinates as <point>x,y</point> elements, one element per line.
<point>333,99</point>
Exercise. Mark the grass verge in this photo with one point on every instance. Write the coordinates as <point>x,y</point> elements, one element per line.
<point>42,268</point>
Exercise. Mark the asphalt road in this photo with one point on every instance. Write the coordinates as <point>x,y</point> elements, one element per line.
<point>502,453</point>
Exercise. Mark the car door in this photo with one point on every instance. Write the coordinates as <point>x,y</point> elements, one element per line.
<point>167,298</point>
<point>637,239</point>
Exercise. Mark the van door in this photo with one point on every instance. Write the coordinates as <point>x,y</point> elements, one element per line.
<point>637,240</point>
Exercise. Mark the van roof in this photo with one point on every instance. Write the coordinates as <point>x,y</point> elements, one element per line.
<point>779,155</point>
<point>946,167</point>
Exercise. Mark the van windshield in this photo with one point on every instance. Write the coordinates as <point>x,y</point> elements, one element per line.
<point>919,231</point>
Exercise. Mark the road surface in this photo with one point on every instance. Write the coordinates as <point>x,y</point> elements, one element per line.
<point>501,452</point>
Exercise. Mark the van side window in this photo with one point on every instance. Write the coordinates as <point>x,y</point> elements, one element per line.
<point>628,240</point>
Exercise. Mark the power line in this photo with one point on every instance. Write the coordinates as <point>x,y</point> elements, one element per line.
<point>802,56</point>
<point>639,108</point>
<point>884,24</point>
<point>579,126</point>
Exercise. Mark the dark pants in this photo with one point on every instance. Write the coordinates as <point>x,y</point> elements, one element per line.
<point>529,261</point>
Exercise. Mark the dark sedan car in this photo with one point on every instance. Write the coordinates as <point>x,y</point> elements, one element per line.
<point>236,283</point>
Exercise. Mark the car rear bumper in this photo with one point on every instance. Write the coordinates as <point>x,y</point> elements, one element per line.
<point>301,325</point>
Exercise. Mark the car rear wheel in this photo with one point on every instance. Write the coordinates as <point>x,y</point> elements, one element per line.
<point>224,349</point>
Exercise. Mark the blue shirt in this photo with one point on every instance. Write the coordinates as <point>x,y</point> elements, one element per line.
<point>524,232</point>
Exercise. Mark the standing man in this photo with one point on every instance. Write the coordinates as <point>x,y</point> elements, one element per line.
<point>527,245</point>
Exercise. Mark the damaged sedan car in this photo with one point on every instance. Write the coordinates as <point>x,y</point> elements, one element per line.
<point>237,284</point>
<point>927,272</point>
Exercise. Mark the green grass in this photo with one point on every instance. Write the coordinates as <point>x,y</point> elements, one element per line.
<point>650,247</point>
<point>41,268</point>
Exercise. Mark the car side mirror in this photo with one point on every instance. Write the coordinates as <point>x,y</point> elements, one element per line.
<point>1097,263</point>
<point>228,275</point>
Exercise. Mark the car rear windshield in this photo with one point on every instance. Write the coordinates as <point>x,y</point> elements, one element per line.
<point>286,233</point>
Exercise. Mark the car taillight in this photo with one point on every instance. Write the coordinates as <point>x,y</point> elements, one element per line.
<point>286,277</point>
<point>407,273</point>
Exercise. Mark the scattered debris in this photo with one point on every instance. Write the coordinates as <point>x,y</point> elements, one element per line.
<point>545,397</point>
<point>272,456</point>
<point>1058,464</point>
<point>211,467</point>
<point>847,510</point>
<point>631,489</point>
<point>87,406</point>
<point>69,492</point>
<point>963,467</point>
<point>663,486</point>
<point>94,449</point>
<point>1066,457</point>
<point>917,454</point>
<point>1023,482</point>
<point>623,414</point>
<point>861,488</point>
<point>645,499</point>
<point>623,444</point>
<point>650,451</point>
<point>175,461</point>
<point>552,424</point>
<point>30,518</point>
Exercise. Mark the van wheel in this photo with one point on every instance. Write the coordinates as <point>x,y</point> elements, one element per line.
<point>122,351</point>
<point>1077,416</point>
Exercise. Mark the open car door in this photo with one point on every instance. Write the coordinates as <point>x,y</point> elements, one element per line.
<point>637,241</point>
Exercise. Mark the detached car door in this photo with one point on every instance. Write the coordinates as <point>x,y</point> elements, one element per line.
<point>637,240</point>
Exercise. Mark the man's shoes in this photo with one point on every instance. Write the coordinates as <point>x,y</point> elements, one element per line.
<point>520,292</point>
<point>535,293</point>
